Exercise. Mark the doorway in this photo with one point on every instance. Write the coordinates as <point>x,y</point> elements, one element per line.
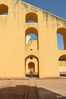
<point>31,66</point>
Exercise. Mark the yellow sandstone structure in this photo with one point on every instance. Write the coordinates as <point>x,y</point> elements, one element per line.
<point>19,54</point>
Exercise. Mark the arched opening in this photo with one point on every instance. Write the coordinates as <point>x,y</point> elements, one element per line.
<point>31,39</point>
<point>61,38</point>
<point>32,66</point>
<point>62,65</point>
<point>3,9</point>
<point>31,17</point>
<point>60,41</point>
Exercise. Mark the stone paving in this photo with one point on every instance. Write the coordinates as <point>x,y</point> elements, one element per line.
<point>46,87</point>
<point>55,85</point>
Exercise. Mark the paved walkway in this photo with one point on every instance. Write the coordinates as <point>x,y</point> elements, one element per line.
<point>33,88</point>
<point>54,85</point>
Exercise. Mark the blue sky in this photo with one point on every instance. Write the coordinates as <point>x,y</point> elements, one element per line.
<point>56,7</point>
<point>60,42</point>
<point>33,36</point>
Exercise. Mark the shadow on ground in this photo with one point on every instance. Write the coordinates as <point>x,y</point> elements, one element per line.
<point>47,94</point>
<point>28,92</point>
<point>34,75</point>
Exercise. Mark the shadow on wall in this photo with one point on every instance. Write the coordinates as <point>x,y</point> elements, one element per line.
<point>28,92</point>
<point>3,9</point>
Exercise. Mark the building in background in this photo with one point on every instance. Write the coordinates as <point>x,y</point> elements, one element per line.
<point>21,52</point>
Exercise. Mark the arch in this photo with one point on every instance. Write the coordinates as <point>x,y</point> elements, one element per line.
<point>34,31</point>
<point>3,9</point>
<point>31,30</point>
<point>32,56</point>
<point>62,32</point>
<point>62,58</point>
<point>34,62</point>
<point>31,16</point>
<point>62,65</point>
